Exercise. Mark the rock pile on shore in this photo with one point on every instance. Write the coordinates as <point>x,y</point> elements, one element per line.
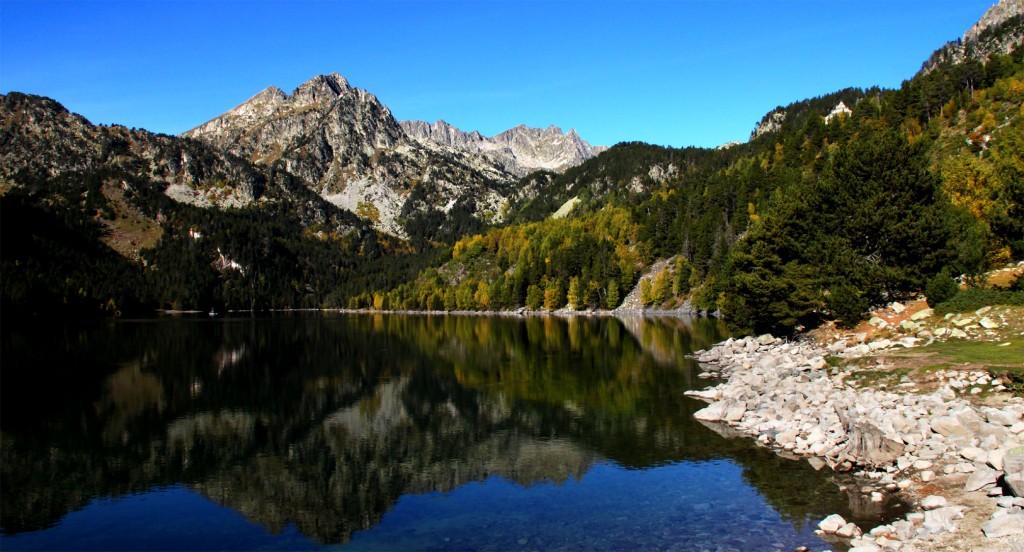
<point>788,396</point>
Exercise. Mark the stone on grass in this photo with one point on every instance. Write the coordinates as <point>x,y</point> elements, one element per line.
<point>988,323</point>
<point>922,314</point>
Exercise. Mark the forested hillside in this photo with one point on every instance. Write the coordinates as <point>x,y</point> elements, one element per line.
<point>824,213</point>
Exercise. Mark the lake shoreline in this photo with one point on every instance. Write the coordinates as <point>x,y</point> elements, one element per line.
<point>954,447</point>
<point>522,312</point>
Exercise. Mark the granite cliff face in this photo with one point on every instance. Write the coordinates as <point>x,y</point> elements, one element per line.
<point>520,150</point>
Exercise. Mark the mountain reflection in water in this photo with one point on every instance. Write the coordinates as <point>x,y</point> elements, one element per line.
<point>325,422</point>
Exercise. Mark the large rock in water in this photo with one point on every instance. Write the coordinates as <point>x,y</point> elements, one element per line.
<point>715,412</point>
<point>867,444</point>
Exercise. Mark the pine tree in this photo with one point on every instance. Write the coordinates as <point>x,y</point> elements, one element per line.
<point>613,295</point>
<point>534,297</point>
<point>662,287</point>
<point>573,296</point>
<point>646,298</point>
<point>681,277</point>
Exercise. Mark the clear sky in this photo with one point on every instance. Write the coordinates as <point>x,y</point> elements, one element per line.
<point>676,73</point>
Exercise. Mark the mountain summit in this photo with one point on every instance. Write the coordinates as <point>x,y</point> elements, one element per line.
<point>346,145</point>
<point>519,150</point>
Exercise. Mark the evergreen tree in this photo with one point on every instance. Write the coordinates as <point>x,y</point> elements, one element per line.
<point>681,277</point>
<point>662,287</point>
<point>613,295</point>
<point>534,297</point>
<point>573,295</point>
<point>646,297</point>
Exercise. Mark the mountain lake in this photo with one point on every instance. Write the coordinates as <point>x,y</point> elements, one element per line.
<point>386,432</point>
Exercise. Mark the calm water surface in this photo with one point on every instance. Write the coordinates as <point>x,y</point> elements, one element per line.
<point>384,432</point>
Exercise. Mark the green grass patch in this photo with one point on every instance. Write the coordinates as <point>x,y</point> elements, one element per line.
<point>987,353</point>
<point>1005,362</point>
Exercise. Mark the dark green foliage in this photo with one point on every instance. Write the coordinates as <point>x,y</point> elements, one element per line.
<point>883,204</point>
<point>941,288</point>
<point>972,299</point>
<point>53,260</point>
<point>847,305</point>
<point>873,228</point>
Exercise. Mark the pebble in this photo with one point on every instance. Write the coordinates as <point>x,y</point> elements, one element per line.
<point>932,502</point>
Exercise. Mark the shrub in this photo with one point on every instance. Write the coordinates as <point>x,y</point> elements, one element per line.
<point>941,288</point>
<point>847,304</point>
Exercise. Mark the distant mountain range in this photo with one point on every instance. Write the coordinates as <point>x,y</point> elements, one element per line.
<point>520,150</point>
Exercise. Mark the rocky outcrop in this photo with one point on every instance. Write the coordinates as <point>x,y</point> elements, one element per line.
<point>771,122</point>
<point>520,150</point>
<point>998,31</point>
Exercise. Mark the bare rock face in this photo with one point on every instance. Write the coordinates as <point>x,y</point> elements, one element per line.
<point>520,150</point>
<point>994,16</point>
<point>345,145</point>
<point>998,31</point>
<point>769,123</point>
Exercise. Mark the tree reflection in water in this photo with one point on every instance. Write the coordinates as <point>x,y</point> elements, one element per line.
<point>326,421</point>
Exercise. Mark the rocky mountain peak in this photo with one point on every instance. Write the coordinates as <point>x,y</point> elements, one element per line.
<point>999,30</point>
<point>996,15</point>
<point>346,146</point>
<point>520,149</point>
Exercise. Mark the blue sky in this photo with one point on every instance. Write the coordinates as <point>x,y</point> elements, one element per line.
<point>676,73</point>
